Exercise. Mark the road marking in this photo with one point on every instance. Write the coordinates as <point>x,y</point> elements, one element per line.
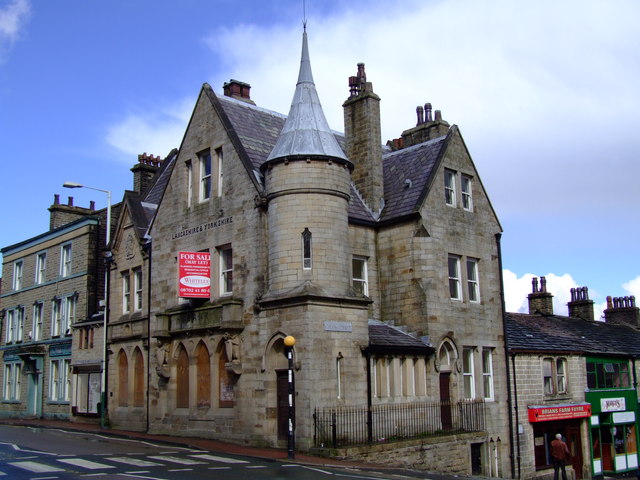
<point>182,461</point>
<point>219,459</point>
<point>79,462</point>
<point>256,466</point>
<point>137,462</point>
<point>2,474</point>
<point>219,468</point>
<point>36,467</point>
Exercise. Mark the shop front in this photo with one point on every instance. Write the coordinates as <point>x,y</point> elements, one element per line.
<point>549,420</point>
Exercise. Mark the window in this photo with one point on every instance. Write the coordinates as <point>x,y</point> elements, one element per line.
<point>123,379</point>
<point>15,324</point>
<point>65,260</point>
<point>454,278</point>
<point>360,284</point>
<point>11,386</point>
<point>472,280</point>
<point>138,378</point>
<point>226,270</point>
<point>605,373</point>
<point>137,285</point>
<point>487,373</point>
<point>41,267</point>
<point>62,315</point>
<point>38,309</point>
<point>182,379</point>
<point>450,188</point>
<point>380,375</point>
<point>189,183</point>
<point>306,249</point>
<point>203,374</point>
<point>219,171</point>
<point>468,373</point>
<point>17,275</point>
<point>467,198</point>
<point>59,381</point>
<point>554,376</point>
<point>205,176</point>
<point>87,392</point>
<point>126,292</point>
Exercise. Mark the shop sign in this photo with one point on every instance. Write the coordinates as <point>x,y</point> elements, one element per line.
<point>613,404</point>
<point>194,270</point>
<point>559,412</point>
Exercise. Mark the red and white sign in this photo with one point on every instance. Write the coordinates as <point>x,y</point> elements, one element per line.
<point>559,412</point>
<point>194,272</point>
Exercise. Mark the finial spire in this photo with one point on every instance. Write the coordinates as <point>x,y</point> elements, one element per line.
<point>304,16</point>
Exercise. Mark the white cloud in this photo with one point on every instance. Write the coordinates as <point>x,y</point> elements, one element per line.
<point>517,289</point>
<point>155,132</point>
<point>632,287</point>
<point>12,20</point>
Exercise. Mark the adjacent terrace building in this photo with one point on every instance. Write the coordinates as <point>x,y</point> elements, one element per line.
<point>577,377</point>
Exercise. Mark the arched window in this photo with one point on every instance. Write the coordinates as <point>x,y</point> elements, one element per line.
<point>182,379</point>
<point>123,379</point>
<point>203,373</point>
<point>226,393</point>
<point>306,249</point>
<point>138,378</point>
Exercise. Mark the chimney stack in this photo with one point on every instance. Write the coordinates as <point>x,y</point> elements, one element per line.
<point>144,171</point>
<point>580,306</point>
<point>622,311</point>
<point>363,139</point>
<point>60,214</point>
<point>427,128</point>
<point>238,90</point>
<point>540,300</point>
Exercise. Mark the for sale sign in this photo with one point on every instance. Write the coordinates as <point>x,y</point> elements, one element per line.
<point>194,271</point>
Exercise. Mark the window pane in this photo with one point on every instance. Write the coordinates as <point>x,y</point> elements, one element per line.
<point>472,281</point>
<point>454,278</point>
<point>467,202</point>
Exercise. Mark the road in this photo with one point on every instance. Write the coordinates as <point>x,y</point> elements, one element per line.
<point>49,454</point>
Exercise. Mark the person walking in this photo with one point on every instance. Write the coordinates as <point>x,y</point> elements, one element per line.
<point>559,456</point>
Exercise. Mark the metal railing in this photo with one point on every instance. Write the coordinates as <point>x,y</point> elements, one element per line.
<point>343,426</point>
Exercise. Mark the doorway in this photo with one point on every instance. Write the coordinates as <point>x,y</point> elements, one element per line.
<point>445,401</point>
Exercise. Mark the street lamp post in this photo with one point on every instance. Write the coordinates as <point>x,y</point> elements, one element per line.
<point>289,342</point>
<point>105,316</point>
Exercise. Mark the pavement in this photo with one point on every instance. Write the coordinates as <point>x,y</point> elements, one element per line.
<point>271,454</point>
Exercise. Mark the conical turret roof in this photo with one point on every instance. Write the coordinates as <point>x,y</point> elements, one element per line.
<point>306,131</point>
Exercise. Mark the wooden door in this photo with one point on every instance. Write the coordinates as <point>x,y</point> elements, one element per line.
<point>445,401</point>
<point>575,448</point>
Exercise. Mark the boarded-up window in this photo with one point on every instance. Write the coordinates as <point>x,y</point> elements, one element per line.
<point>182,380</point>
<point>204,377</point>
<point>138,378</point>
<point>123,379</point>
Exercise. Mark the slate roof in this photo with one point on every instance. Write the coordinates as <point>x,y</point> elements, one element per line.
<point>384,338</point>
<point>555,333</point>
<point>258,130</point>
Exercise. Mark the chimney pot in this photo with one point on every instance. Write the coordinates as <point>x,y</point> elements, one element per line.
<point>438,116</point>
<point>427,109</point>
<point>92,205</point>
<point>420,113</point>
<point>56,199</point>
<point>70,201</point>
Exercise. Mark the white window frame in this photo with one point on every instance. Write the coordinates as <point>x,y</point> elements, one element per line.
<point>11,385</point>
<point>468,373</point>
<point>15,325</point>
<point>473,284</point>
<point>41,268</point>
<point>126,292</point>
<point>466,191</point>
<point>59,380</point>
<point>555,375</point>
<point>137,285</point>
<point>18,270</point>
<point>487,373</point>
<point>450,195</point>
<point>561,376</point>
<point>63,311</point>
<point>455,280</point>
<point>206,165</point>
<point>360,283</point>
<point>38,321</point>
<point>66,255</point>
<point>225,265</point>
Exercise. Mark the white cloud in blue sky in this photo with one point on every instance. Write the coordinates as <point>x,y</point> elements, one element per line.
<point>13,17</point>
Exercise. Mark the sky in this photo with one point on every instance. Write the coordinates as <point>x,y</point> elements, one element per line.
<point>546,95</point>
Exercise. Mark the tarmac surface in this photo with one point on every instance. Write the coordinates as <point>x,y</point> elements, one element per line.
<point>273,454</point>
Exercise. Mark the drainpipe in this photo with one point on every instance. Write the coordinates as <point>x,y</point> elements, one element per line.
<point>369,413</point>
<point>149,249</point>
<point>515,395</point>
<point>506,356</point>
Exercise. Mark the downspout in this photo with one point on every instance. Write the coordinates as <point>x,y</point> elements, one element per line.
<point>506,353</point>
<point>515,394</point>
<point>369,413</point>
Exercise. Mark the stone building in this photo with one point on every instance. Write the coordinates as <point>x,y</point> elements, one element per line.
<point>381,261</point>
<point>575,376</point>
<point>51,319</point>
